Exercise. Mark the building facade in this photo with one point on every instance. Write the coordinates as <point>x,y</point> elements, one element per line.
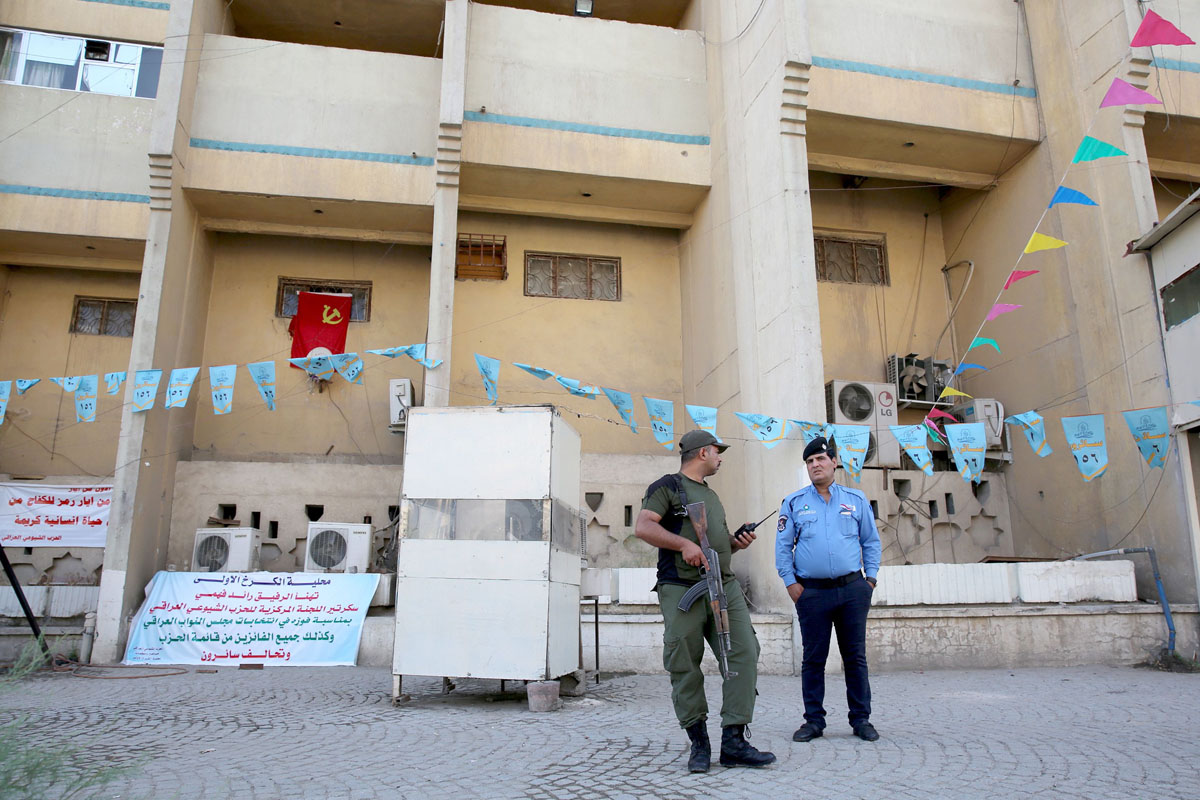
<point>729,204</point>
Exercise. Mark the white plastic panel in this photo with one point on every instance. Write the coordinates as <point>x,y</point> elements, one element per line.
<point>1076,582</point>
<point>472,628</point>
<point>945,584</point>
<point>439,558</point>
<point>565,567</point>
<point>564,464</point>
<point>635,585</point>
<point>498,453</point>
<point>562,655</point>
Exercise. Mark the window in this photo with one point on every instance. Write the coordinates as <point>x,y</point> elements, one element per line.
<point>101,316</point>
<point>481,256</point>
<point>86,65</point>
<point>852,258</point>
<point>570,276</point>
<point>1181,298</point>
<point>290,288</point>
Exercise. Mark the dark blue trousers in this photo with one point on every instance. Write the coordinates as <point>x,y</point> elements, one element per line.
<point>843,609</point>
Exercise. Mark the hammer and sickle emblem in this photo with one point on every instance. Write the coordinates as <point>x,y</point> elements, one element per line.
<point>331,316</point>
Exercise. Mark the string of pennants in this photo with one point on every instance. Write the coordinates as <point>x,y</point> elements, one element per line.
<point>1085,435</point>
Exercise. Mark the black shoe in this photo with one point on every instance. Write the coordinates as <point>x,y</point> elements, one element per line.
<point>737,752</point>
<point>807,733</point>
<point>866,731</point>
<point>701,755</point>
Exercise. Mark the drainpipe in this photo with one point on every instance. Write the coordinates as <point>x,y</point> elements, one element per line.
<point>1162,595</point>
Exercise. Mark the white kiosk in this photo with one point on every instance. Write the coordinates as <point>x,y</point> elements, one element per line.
<point>488,571</point>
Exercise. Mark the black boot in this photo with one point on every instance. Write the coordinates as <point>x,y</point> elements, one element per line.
<point>701,754</point>
<point>737,752</point>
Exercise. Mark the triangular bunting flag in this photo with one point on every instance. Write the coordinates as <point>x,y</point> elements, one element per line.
<point>980,341</point>
<point>950,391</point>
<point>538,372</point>
<point>1001,308</point>
<point>1092,149</point>
<point>1040,241</point>
<point>489,373</point>
<point>1018,274</point>
<point>24,384</point>
<point>937,412</point>
<point>933,431</point>
<point>1156,30</point>
<point>576,388</point>
<point>1126,94</point>
<point>623,402</point>
<point>1065,195</point>
<point>966,365</point>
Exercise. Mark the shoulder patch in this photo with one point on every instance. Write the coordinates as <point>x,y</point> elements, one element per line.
<point>783,521</point>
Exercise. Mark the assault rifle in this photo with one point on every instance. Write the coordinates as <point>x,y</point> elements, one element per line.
<point>713,586</point>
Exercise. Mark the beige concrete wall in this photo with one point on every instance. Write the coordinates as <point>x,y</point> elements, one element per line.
<point>261,92</point>
<point>632,344</point>
<point>278,492</point>
<point>977,39</point>
<point>862,325</point>
<point>109,21</point>
<point>40,435</point>
<point>343,422</point>
<point>600,72</point>
<point>95,142</point>
<point>1086,340</point>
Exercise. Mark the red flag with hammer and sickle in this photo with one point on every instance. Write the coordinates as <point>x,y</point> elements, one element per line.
<point>320,325</point>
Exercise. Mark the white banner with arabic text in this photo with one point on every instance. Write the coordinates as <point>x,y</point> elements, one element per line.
<point>33,515</point>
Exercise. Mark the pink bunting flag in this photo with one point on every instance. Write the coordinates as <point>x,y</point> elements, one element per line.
<point>1018,274</point>
<point>1156,30</point>
<point>937,412</point>
<point>1125,94</point>
<point>1001,308</point>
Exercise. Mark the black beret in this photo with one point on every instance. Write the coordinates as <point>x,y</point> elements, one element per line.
<point>819,445</point>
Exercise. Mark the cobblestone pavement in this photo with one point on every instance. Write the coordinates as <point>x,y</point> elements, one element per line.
<point>1087,732</point>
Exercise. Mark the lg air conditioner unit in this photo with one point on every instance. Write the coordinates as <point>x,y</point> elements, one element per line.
<point>226,550</point>
<point>872,404</point>
<point>990,413</point>
<point>400,400</point>
<point>339,547</point>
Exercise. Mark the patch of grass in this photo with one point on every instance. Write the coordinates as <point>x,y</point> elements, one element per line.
<point>1173,662</point>
<point>31,769</point>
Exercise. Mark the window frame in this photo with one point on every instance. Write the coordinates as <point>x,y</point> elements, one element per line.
<point>74,327</point>
<point>853,238</point>
<point>327,286</point>
<point>556,257</point>
<point>22,57</point>
<point>478,245</point>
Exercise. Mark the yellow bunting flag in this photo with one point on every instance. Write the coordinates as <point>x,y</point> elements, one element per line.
<point>951,392</point>
<point>1040,241</point>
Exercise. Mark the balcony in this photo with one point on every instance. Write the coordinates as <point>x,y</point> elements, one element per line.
<point>936,100</point>
<point>585,118</point>
<point>290,138</point>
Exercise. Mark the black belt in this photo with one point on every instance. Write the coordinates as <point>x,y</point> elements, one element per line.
<point>829,583</point>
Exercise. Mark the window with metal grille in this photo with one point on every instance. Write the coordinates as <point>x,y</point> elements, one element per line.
<point>481,256</point>
<point>572,276</point>
<point>103,316</point>
<point>852,258</point>
<point>290,288</point>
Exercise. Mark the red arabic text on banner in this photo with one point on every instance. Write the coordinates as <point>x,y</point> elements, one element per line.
<point>1156,30</point>
<point>320,325</point>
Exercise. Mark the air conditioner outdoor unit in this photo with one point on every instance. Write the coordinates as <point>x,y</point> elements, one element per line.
<point>339,547</point>
<point>873,404</point>
<point>919,381</point>
<point>400,400</point>
<point>226,550</point>
<point>990,413</point>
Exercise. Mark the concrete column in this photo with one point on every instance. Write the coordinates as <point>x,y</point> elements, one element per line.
<point>762,101</point>
<point>168,333</point>
<point>445,201</point>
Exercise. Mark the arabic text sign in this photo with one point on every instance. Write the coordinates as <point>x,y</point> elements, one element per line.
<point>293,619</point>
<point>32,515</point>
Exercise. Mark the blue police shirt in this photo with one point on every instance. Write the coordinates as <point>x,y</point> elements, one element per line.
<point>816,539</point>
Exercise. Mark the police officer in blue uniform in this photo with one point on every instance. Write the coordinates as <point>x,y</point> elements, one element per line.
<point>827,552</point>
